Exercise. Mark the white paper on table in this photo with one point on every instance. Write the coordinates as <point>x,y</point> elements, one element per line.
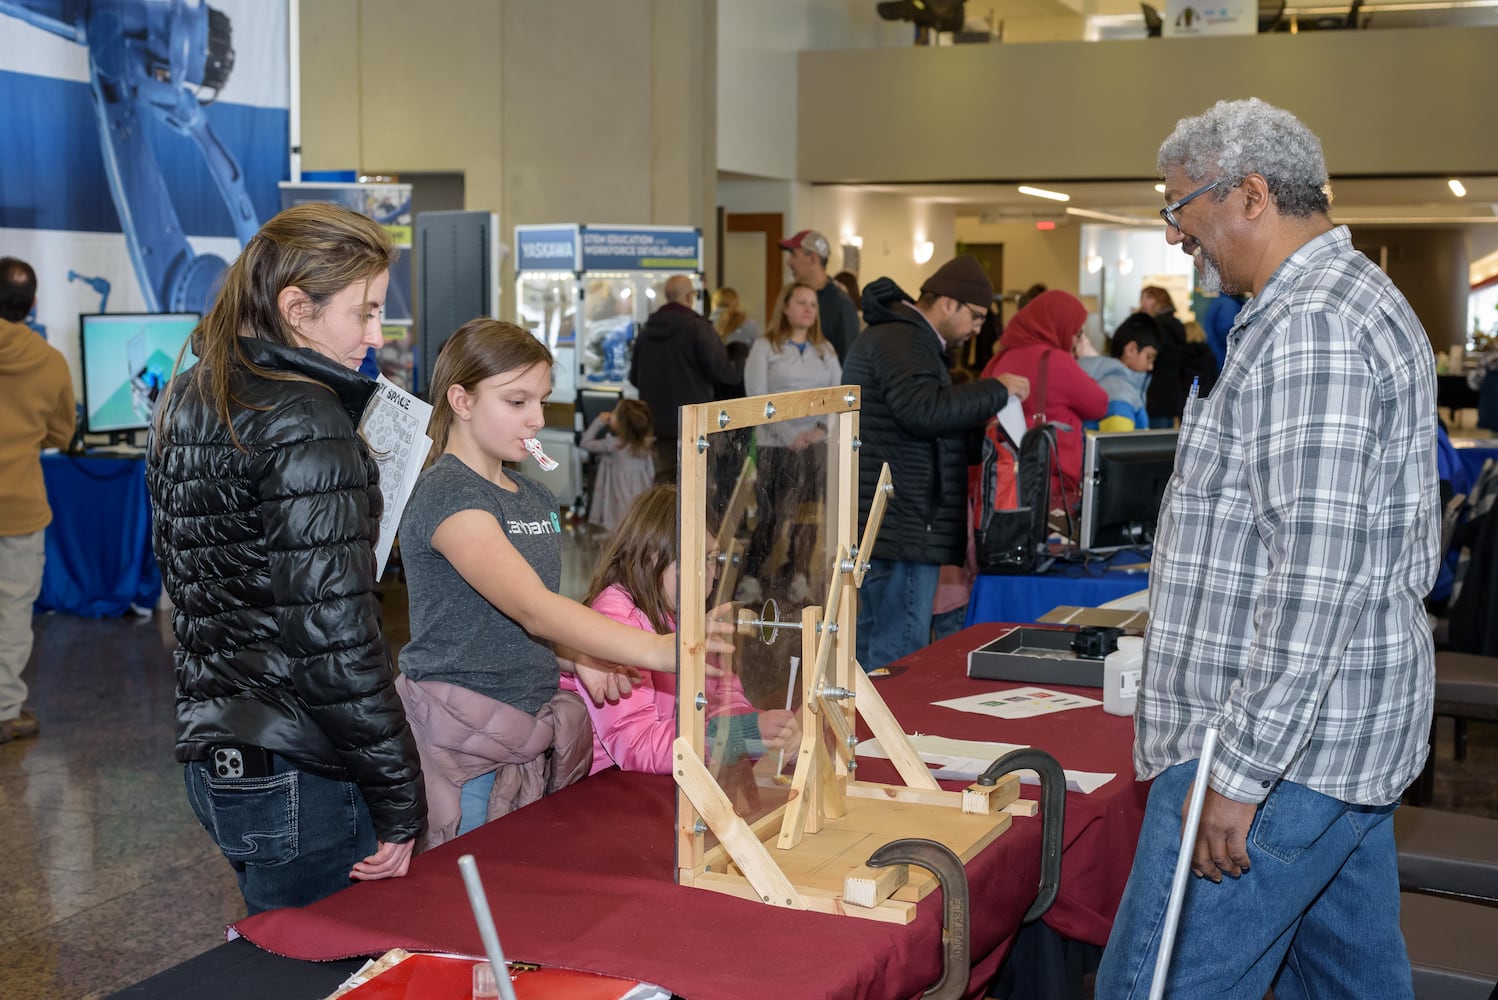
<point>1019,703</point>
<point>964,760</point>
<point>395,427</point>
<point>1012,419</point>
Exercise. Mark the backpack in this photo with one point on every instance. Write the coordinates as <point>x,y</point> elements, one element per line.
<point>1013,501</point>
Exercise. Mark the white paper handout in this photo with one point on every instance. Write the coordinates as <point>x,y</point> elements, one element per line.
<point>964,760</point>
<point>1019,703</point>
<point>1012,419</point>
<point>395,427</point>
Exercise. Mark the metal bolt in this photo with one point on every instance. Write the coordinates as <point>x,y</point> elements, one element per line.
<point>850,397</point>
<point>699,827</point>
<point>836,692</point>
<point>852,765</point>
<point>889,487</point>
<point>857,444</point>
<point>769,410</point>
<point>833,627</point>
<point>722,418</point>
<point>852,742</point>
<point>846,566</point>
<point>702,443</point>
<point>701,700</point>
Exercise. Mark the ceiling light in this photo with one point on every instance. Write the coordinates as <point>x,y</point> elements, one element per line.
<point>1094,264</point>
<point>1457,187</point>
<point>923,251</point>
<point>1125,264</point>
<point>1036,192</point>
<point>1159,188</point>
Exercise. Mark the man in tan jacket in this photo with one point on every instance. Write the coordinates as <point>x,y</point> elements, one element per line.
<point>36,412</point>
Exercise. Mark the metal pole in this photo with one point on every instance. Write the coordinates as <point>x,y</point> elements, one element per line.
<point>1183,865</point>
<point>485,919</point>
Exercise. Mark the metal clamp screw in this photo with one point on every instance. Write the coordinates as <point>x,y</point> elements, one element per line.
<point>701,701</point>
<point>850,398</point>
<point>702,443</point>
<point>722,418</point>
<point>769,410</point>
<point>857,443</point>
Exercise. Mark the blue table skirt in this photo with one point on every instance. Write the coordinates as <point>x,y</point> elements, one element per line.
<point>1473,456</point>
<point>99,559</point>
<point>1026,598</point>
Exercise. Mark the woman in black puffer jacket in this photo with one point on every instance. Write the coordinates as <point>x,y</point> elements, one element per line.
<point>297,756</point>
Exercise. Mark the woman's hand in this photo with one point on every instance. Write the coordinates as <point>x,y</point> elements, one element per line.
<point>388,861</point>
<point>780,729</point>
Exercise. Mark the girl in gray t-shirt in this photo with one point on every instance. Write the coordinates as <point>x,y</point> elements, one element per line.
<point>482,553</point>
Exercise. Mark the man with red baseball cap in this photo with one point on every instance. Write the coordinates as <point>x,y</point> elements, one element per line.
<point>838,313</point>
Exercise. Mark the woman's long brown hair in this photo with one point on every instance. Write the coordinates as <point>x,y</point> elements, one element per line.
<point>316,246</point>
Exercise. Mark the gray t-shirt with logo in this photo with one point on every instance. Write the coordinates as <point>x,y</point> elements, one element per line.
<point>456,635</point>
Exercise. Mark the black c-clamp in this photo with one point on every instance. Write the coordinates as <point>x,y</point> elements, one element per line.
<point>1052,816</point>
<point>952,877</point>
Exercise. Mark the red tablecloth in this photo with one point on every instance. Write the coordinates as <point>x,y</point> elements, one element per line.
<point>583,879</point>
<point>1101,830</point>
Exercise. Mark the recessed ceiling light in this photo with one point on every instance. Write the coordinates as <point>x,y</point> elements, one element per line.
<point>1159,188</point>
<point>1036,192</point>
<point>1457,187</point>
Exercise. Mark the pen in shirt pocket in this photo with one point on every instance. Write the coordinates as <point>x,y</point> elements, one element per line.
<point>1195,385</point>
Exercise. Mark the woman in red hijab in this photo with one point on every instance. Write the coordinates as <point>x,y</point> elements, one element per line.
<point>1048,327</point>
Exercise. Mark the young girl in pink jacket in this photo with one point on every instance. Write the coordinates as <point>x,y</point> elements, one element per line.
<point>635,584</point>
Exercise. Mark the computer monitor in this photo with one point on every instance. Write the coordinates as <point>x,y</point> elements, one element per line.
<point>127,360</point>
<point>1123,479</point>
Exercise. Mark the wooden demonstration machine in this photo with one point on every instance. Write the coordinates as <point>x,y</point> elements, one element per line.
<point>819,848</point>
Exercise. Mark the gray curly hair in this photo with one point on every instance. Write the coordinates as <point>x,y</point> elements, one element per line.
<point>1238,138</point>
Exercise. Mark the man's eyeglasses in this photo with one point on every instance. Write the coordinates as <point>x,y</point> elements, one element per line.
<point>978,315</point>
<point>1168,213</point>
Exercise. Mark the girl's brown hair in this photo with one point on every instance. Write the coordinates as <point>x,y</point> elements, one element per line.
<point>637,554</point>
<point>634,426</point>
<point>316,246</point>
<point>481,348</point>
<point>733,315</point>
<point>780,330</point>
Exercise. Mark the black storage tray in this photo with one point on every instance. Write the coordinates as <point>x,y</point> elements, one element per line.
<point>1034,656</point>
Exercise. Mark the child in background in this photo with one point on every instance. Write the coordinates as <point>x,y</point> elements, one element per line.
<point>481,545</point>
<point>626,461</point>
<point>1125,376</point>
<point>635,584</point>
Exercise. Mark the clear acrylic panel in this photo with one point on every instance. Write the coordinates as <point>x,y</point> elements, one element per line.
<point>764,517</point>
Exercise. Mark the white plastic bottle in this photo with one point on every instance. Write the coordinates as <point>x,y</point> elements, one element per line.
<point>1121,675</point>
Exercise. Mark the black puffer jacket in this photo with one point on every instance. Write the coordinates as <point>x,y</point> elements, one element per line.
<point>914,418</point>
<point>266,554</point>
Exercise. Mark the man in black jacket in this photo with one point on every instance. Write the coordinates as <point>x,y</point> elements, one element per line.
<point>679,360</point>
<point>914,418</point>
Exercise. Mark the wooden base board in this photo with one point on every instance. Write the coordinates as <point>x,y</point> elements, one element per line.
<point>818,866</point>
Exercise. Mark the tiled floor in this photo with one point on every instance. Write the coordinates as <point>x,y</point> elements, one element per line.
<point>105,876</point>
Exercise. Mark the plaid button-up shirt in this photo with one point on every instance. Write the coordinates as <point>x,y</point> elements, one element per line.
<point>1297,539</point>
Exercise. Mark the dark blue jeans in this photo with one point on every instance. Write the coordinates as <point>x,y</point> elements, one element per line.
<point>1316,914</point>
<point>894,610</point>
<point>292,838</point>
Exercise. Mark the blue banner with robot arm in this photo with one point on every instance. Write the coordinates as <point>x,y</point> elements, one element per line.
<point>145,142</point>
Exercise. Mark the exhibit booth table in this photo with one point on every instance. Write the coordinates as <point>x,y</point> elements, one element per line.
<point>99,559</point>
<point>584,879</point>
<point>1016,598</point>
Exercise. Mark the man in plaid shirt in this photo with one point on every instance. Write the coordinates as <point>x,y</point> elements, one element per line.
<point>1297,539</point>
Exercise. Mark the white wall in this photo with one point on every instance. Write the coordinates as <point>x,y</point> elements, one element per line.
<point>758,42</point>
<point>890,226</point>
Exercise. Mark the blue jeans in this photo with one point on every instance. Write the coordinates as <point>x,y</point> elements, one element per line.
<point>292,838</point>
<point>948,623</point>
<point>1316,915</point>
<point>894,610</point>
<point>473,802</point>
